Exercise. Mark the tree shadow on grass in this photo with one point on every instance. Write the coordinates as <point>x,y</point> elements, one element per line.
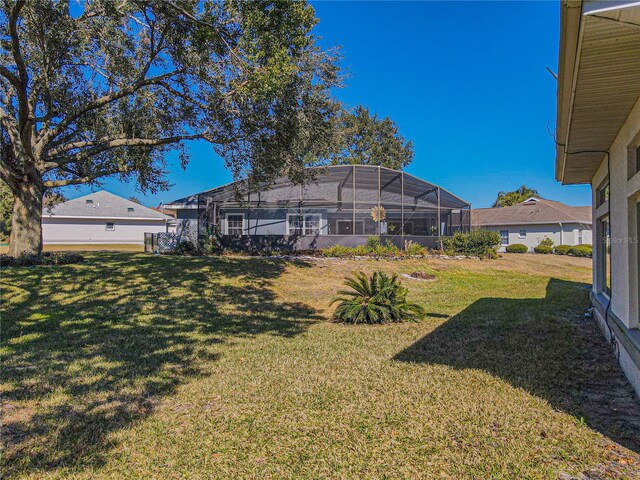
<point>96,346</point>
<point>546,347</point>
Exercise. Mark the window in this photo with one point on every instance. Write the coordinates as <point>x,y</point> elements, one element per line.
<point>295,225</point>
<point>110,226</point>
<point>604,256</point>
<point>312,224</point>
<point>130,209</point>
<point>522,233</point>
<point>307,224</point>
<point>580,239</point>
<point>88,202</point>
<point>235,224</point>
<point>504,237</point>
<point>602,194</point>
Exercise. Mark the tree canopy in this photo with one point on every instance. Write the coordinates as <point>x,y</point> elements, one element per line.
<point>364,139</point>
<point>104,88</point>
<point>506,199</point>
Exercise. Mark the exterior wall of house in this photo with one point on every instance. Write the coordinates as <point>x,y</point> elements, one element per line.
<point>569,234</point>
<point>261,221</point>
<point>622,210</point>
<point>89,230</point>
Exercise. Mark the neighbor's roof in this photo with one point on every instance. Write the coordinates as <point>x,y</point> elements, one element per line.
<point>599,68</point>
<point>532,211</point>
<point>103,204</point>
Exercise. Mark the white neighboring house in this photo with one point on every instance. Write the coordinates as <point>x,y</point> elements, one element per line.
<point>101,218</point>
<point>535,219</point>
<point>598,143</point>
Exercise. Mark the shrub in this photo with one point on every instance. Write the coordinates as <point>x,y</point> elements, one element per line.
<point>46,258</point>
<point>546,242</point>
<point>477,243</point>
<point>581,251</point>
<point>185,247</point>
<point>517,248</point>
<point>374,300</point>
<point>211,244</point>
<point>335,251</point>
<point>544,249</point>
<point>372,247</point>
<point>413,248</point>
<point>562,249</point>
<point>373,243</point>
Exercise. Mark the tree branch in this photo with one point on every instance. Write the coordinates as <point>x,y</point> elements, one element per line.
<point>9,75</point>
<point>78,181</point>
<point>101,102</point>
<point>109,144</point>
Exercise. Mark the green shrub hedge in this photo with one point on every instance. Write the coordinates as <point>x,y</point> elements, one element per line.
<point>581,251</point>
<point>477,243</point>
<point>517,248</point>
<point>544,249</point>
<point>562,249</point>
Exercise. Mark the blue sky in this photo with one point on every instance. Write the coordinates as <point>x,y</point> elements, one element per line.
<point>465,81</point>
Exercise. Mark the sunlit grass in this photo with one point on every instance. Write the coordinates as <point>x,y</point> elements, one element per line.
<point>140,366</point>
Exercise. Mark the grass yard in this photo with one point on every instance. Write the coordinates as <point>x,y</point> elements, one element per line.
<point>140,366</point>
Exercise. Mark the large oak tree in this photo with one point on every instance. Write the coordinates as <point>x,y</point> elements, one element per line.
<point>363,138</point>
<point>107,87</point>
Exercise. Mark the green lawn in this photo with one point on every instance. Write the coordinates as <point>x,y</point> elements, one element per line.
<point>140,366</point>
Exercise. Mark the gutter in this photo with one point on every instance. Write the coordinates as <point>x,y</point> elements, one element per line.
<point>574,81</point>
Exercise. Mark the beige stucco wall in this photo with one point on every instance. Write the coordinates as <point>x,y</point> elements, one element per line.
<point>87,231</point>
<point>622,209</point>
<point>624,195</point>
<point>534,234</point>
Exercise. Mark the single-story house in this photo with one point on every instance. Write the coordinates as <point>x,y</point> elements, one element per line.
<point>342,204</point>
<point>598,143</point>
<point>535,219</point>
<point>100,218</point>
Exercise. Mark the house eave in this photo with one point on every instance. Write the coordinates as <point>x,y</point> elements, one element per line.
<point>597,83</point>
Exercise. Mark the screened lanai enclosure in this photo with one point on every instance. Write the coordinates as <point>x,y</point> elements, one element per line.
<point>342,204</point>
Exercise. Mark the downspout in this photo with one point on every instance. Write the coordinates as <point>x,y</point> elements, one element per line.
<point>561,234</point>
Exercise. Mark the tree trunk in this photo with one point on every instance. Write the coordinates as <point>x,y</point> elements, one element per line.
<point>26,227</point>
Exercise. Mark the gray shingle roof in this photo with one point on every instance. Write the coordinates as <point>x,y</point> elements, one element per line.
<point>531,212</point>
<point>103,204</point>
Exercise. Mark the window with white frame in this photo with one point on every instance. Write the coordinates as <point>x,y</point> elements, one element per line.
<point>580,237</point>
<point>603,264</point>
<point>312,224</point>
<point>504,237</point>
<point>110,226</point>
<point>295,224</point>
<point>235,224</point>
<point>307,224</point>
<point>522,233</point>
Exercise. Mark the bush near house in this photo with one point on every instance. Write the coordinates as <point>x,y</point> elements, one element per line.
<point>581,251</point>
<point>546,242</point>
<point>562,249</point>
<point>544,249</point>
<point>517,248</point>
<point>477,243</point>
<point>375,248</point>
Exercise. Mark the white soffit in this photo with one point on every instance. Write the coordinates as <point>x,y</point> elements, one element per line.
<point>607,85</point>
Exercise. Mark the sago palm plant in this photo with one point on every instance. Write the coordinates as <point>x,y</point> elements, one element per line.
<point>376,299</point>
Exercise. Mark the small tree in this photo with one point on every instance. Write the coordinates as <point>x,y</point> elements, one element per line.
<point>104,88</point>
<point>364,139</point>
<point>506,199</point>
